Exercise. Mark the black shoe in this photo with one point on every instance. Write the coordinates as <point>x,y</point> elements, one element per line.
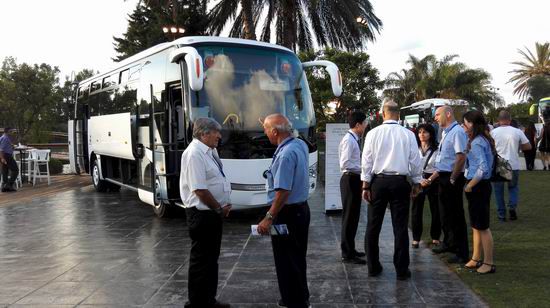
<point>513,215</point>
<point>491,271</point>
<point>4,189</point>
<point>415,245</point>
<point>456,260</point>
<point>354,260</point>
<point>280,303</point>
<point>377,271</point>
<point>441,248</point>
<point>478,264</point>
<point>221,305</point>
<point>360,254</point>
<point>404,276</point>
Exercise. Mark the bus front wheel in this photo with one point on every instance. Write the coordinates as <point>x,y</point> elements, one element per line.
<point>99,184</point>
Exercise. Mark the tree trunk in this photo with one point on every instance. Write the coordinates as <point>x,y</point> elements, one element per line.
<point>249,29</point>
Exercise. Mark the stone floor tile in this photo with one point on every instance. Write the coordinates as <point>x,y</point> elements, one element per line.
<point>60,293</point>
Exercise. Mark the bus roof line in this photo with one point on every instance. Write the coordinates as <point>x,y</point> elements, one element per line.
<point>183,41</point>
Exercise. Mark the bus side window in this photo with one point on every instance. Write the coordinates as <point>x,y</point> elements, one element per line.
<point>123,78</point>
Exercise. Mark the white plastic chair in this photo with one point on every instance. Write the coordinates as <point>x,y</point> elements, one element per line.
<point>30,159</point>
<point>41,159</point>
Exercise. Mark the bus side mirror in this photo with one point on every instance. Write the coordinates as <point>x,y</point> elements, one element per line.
<point>533,109</point>
<point>333,71</point>
<point>193,61</point>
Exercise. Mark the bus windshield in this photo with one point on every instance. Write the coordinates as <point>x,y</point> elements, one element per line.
<point>245,84</point>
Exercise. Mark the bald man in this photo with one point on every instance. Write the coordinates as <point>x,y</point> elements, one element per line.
<point>390,156</point>
<point>288,190</point>
<point>449,163</point>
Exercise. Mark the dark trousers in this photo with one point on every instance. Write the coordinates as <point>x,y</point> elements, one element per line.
<point>394,191</point>
<point>530,159</point>
<point>290,253</point>
<point>350,190</point>
<point>10,169</point>
<point>205,230</point>
<point>432,192</point>
<point>451,209</point>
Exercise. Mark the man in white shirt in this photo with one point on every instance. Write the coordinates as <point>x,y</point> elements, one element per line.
<point>508,141</point>
<point>390,155</point>
<point>350,186</point>
<point>205,193</point>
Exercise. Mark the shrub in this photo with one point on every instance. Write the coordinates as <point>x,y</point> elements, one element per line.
<point>56,166</point>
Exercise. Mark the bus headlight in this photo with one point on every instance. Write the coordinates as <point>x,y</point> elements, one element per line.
<point>313,171</point>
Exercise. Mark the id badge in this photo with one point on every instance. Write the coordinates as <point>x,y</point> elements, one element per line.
<point>226,186</point>
<point>438,158</point>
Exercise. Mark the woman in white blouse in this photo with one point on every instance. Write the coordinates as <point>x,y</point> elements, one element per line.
<point>427,145</point>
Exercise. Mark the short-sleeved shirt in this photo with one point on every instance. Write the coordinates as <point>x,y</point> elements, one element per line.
<point>430,166</point>
<point>453,141</point>
<point>289,171</point>
<point>479,160</point>
<point>5,144</point>
<point>507,142</point>
<point>201,168</point>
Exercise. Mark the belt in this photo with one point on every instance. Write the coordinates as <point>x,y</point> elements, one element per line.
<point>303,203</point>
<point>382,175</point>
<point>350,173</point>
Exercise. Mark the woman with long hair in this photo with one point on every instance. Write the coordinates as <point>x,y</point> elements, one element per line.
<point>531,134</point>
<point>544,146</point>
<point>479,162</point>
<point>427,146</point>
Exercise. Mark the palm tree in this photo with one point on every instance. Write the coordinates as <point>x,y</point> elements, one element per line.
<point>532,66</point>
<point>297,23</point>
<point>430,78</point>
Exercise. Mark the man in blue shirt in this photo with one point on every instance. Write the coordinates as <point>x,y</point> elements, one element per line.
<point>7,163</point>
<point>450,166</point>
<point>288,190</point>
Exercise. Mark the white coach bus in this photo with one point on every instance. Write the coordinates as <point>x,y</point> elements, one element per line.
<point>133,122</point>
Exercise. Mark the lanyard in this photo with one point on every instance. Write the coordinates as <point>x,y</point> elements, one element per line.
<point>217,164</point>
<point>353,136</point>
<point>445,137</point>
<point>281,146</point>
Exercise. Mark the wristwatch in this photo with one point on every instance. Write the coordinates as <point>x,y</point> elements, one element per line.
<point>268,215</point>
<point>219,210</point>
<point>452,181</point>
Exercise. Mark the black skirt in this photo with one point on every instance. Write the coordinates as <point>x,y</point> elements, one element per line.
<point>479,201</point>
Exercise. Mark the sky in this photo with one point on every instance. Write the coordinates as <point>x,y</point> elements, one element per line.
<point>78,34</point>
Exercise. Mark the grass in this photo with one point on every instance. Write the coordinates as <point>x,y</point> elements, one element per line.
<point>522,249</point>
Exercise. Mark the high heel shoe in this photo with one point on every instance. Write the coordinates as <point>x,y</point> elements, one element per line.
<point>479,263</point>
<point>491,271</point>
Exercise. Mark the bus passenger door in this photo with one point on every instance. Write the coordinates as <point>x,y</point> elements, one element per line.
<point>79,139</point>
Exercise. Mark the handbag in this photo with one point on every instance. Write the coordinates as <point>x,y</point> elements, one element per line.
<point>502,170</point>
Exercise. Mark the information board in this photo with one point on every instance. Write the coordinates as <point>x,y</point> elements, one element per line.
<point>334,134</point>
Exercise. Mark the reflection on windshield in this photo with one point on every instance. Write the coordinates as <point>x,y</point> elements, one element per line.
<point>257,96</point>
<point>244,85</point>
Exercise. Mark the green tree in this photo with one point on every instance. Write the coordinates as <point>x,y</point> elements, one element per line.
<point>360,82</point>
<point>432,78</point>
<point>28,95</point>
<point>533,65</point>
<point>149,17</point>
<point>296,24</point>
<point>539,87</point>
<point>64,108</point>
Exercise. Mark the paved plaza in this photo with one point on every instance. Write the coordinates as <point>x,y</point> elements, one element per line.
<point>81,248</point>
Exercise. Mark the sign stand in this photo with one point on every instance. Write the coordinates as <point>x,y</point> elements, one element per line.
<point>334,134</point>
